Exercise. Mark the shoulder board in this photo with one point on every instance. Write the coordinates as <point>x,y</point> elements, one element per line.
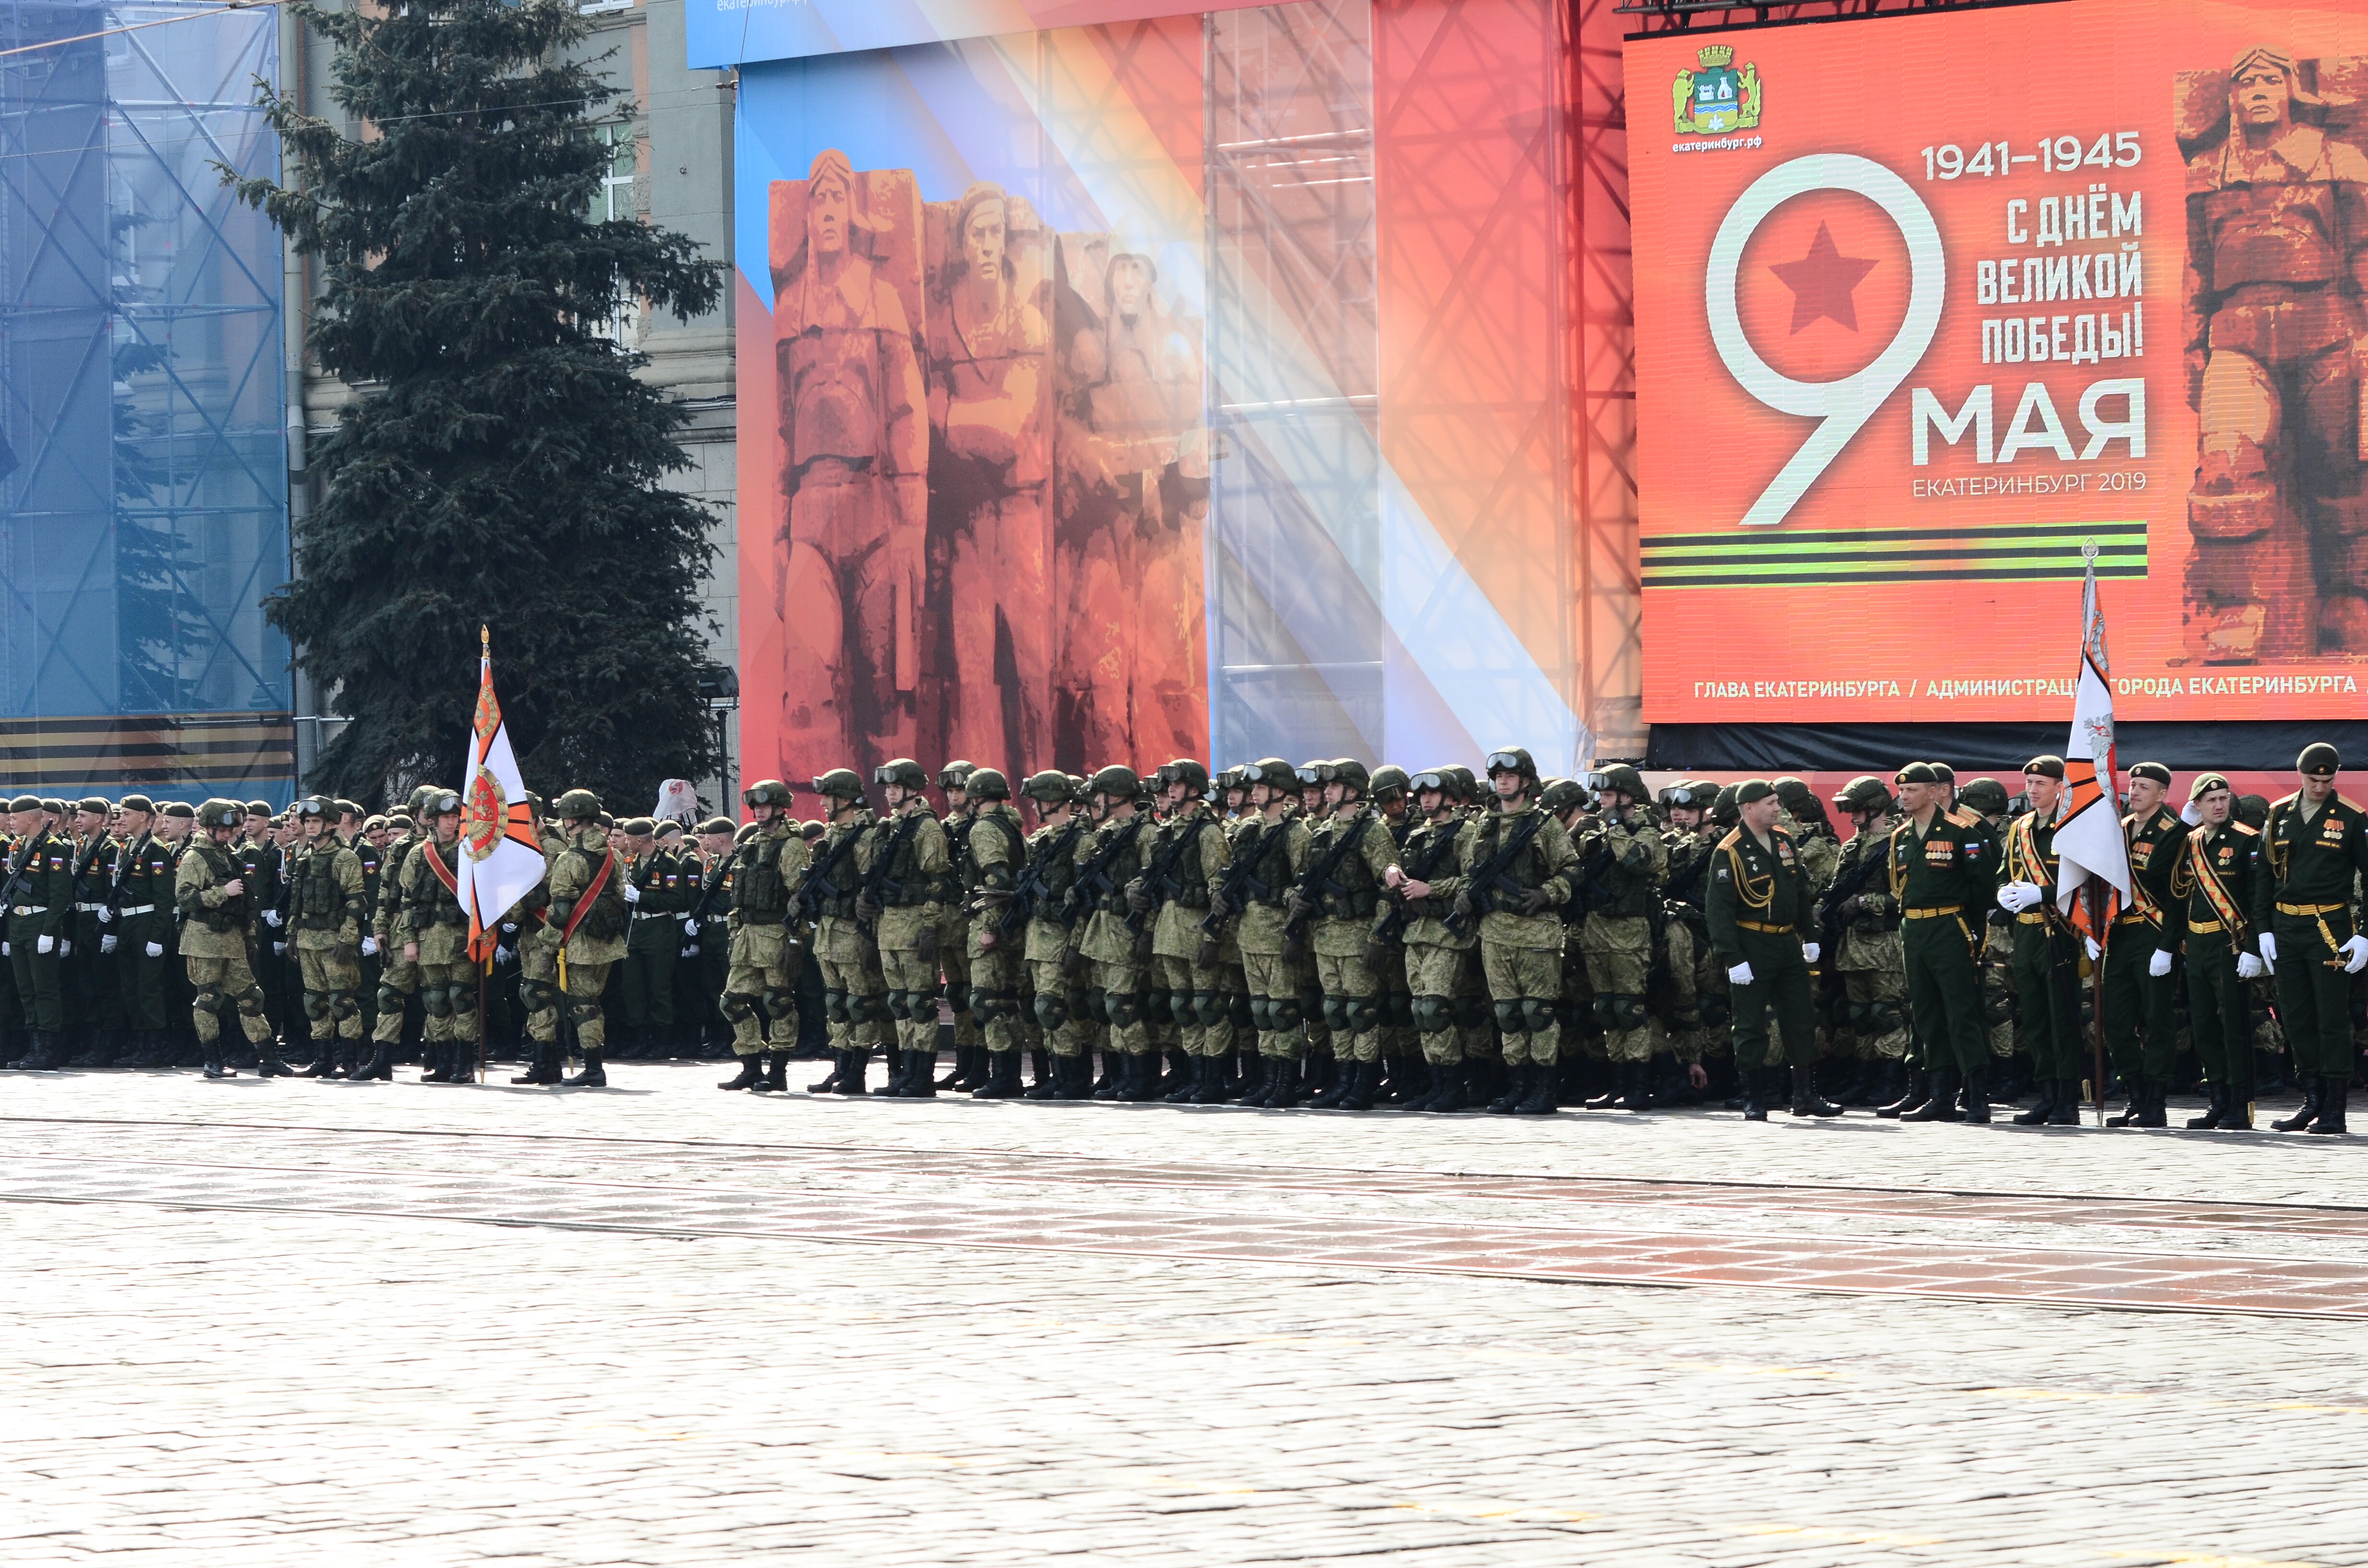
<point>2347,801</point>
<point>1733,836</point>
<point>1966,816</point>
<point>2236,826</point>
<point>2285,799</point>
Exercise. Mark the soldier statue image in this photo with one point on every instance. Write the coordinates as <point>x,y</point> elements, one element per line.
<point>2277,216</point>
<point>855,450</point>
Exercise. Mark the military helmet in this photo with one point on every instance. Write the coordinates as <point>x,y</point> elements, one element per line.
<point>313,806</point>
<point>1116,779</point>
<point>1987,796</point>
<point>1698,793</point>
<point>1185,770</point>
<point>1724,806</point>
<point>1080,792</point>
<point>1442,780</point>
<point>219,813</point>
<point>1272,771</point>
<point>442,803</point>
<point>1229,778</point>
<point>1314,772</point>
<point>1513,759</point>
<point>1863,794</point>
<point>989,784</point>
<point>418,795</point>
<point>902,771</point>
<point>1796,793</point>
<point>1388,780</point>
<point>1621,777</point>
<point>1560,795</point>
<point>766,792</point>
<point>1051,787</point>
<point>578,805</point>
<point>841,784</point>
<point>1345,770</point>
<point>955,775</point>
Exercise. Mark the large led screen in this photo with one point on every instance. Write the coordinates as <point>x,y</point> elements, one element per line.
<point>1932,312</point>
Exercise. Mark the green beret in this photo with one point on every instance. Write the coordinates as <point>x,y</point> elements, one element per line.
<point>55,806</point>
<point>2207,782</point>
<point>259,808</point>
<point>1942,773</point>
<point>1916,773</point>
<point>2048,767</point>
<point>2153,770</point>
<point>26,803</point>
<point>718,824</point>
<point>350,808</point>
<point>98,805</point>
<point>638,827</point>
<point>181,809</point>
<point>668,829</point>
<point>2319,757</point>
<point>139,803</point>
<point>1752,790</point>
<point>372,822</point>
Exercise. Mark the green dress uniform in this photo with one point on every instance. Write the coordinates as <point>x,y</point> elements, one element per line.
<point>2217,882</point>
<point>94,1012</point>
<point>2046,975</point>
<point>760,998</point>
<point>325,911</point>
<point>217,940</point>
<point>2312,857</point>
<point>1944,877</point>
<point>39,919</point>
<point>142,923</point>
<point>1761,910</point>
<point>2148,925</point>
<point>661,894</point>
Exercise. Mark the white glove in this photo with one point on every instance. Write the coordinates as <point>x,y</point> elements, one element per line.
<point>278,949</point>
<point>65,949</point>
<point>46,945</point>
<point>690,921</point>
<point>501,955</point>
<point>1740,975</point>
<point>2095,952</point>
<point>632,893</point>
<point>272,918</point>
<point>691,952</point>
<point>2158,965</point>
<point>4,950</point>
<point>510,927</point>
<point>1809,951</point>
<point>156,949</point>
<point>105,914</point>
<point>2190,816</point>
<point>2250,968</point>
<point>106,943</point>
<point>2016,897</point>
<point>2355,954</point>
<point>2269,949</point>
<point>369,946</point>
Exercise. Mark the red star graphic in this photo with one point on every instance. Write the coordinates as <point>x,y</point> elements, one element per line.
<point>1822,280</point>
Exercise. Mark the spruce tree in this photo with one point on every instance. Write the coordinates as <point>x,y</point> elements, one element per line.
<point>502,464</point>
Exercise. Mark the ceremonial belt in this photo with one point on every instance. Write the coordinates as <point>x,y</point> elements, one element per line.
<point>2309,909</point>
<point>1933,910</point>
<point>2205,928</point>
<point>1762,925</point>
<point>2317,914</point>
<point>2135,917</point>
<point>2215,892</point>
<point>2032,918</point>
<point>90,908</point>
<point>32,909</point>
<point>137,909</point>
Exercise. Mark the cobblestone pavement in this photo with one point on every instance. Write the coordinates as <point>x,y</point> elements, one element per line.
<point>277,1322</point>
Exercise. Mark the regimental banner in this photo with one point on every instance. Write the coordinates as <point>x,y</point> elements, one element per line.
<point>1928,306</point>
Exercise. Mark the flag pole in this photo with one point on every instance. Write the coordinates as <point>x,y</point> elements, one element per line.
<point>2097,992</point>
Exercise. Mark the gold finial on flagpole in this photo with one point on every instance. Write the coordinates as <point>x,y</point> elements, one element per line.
<point>484,641</point>
<point>2089,551</point>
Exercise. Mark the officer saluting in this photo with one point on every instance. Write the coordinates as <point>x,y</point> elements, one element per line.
<point>1764,926</point>
<point>2313,845</point>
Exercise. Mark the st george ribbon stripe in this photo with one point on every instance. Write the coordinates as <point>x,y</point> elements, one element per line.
<point>2010,552</point>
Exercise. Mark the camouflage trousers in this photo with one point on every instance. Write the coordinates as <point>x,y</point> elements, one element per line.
<point>910,994</point>
<point>1352,1005</point>
<point>539,988</point>
<point>1059,1008</point>
<point>1116,994</point>
<point>332,976</point>
<point>398,982</point>
<point>1451,1011</point>
<point>447,993</point>
<point>1680,1015</point>
<point>954,950</point>
<point>1199,1000</point>
<point>221,980</point>
<point>1877,1003</point>
<point>1275,1004</point>
<point>586,984</point>
<point>1619,950</point>
<point>761,996</point>
<point>1525,987</point>
<point>997,1008</point>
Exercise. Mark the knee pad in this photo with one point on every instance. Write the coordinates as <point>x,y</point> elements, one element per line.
<point>1282,1014</point>
<point>250,1002</point>
<point>780,1004</point>
<point>920,1006</point>
<point>1471,1012</point>
<point>1508,1016</point>
<point>1884,1017</point>
<point>534,995</point>
<point>583,1010</point>
<point>1052,1011</point>
<point>960,996</point>
<point>1123,1008</point>
<point>207,1000</point>
<point>1996,1007</point>
<point>1606,1013</point>
<point>1362,1013</point>
<point>1335,1014</point>
<point>463,1000</point>
<point>994,1006</point>
<point>1098,1005</point>
<point>1627,1012</point>
<point>1262,1014</point>
<point>1398,1009</point>
<point>834,1008</point>
<point>868,1006</point>
<point>1159,1007</point>
<point>1433,1014</point>
<point>1238,1008</point>
<point>1211,1008</point>
<point>316,1005</point>
<point>895,1003</point>
<point>736,1007</point>
<point>390,1000</point>
<point>436,1000</point>
<point>1539,1012</point>
<point>344,1004</point>
<point>1860,1018</point>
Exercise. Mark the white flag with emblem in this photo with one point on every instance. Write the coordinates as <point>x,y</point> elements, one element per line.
<point>500,858</point>
<point>2089,822</point>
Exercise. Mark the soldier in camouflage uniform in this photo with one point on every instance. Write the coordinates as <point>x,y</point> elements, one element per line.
<point>588,909</point>
<point>537,957</point>
<point>1870,960</point>
<point>324,917</point>
<point>1119,954</point>
<point>1058,1000</point>
<point>1271,851</point>
<point>761,996</point>
<point>995,853</point>
<point>1188,861</point>
<point>435,932</point>
<point>2001,1012</point>
<point>217,937</point>
<point>908,882</point>
<point>1625,861</point>
<point>953,929</point>
<point>1515,867</point>
<point>1359,851</point>
<point>1689,1007</point>
<point>1404,1076</point>
<point>1450,1010</point>
<point>854,994</point>
<point>398,980</point>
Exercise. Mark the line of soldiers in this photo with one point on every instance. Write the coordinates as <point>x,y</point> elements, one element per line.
<point>1277,935</point>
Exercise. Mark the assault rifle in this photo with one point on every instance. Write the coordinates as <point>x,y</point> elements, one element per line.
<point>1028,892</point>
<point>1159,879</point>
<point>1240,883</point>
<point>1488,879</point>
<point>1436,856</point>
<point>876,887</point>
<point>1317,881</point>
<point>820,883</point>
<point>705,908</point>
<point>1094,881</point>
<point>12,891</point>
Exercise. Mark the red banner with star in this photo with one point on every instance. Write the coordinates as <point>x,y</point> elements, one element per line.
<point>1933,309</point>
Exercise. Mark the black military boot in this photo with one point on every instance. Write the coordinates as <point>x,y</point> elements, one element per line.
<point>829,1083</point>
<point>1517,1089</point>
<point>1759,1088</point>
<point>1942,1106</point>
<point>1334,1092</point>
<point>2215,1108</point>
<point>1282,1083</point>
<point>854,1069</point>
<point>594,1075</point>
<point>1209,1080</point>
<point>1544,1096</point>
<point>2154,1112</point>
<point>324,1060</point>
<point>1048,1076</point>
<point>1636,1087</point>
<point>2067,1109</point>
<point>2300,1120</point>
<point>751,1074</point>
<point>376,1068</point>
<point>1073,1077</point>
<point>1915,1091</point>
<point>1806,1101</point>
<point>1976,1096</point>
<point>267,1061</point>
<point>1364,1084</point>
<point>776,1080</point>
<point>2238,1115</point>
<point>2041,1110</point>
<point>2133,1107</point>
<point>2334,1104</point>
<point>542,1067</point>
<point>1185,1082</point>
<point>214,1068</point>
<point>1614,1079</point>
<point>1148,1084</point>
